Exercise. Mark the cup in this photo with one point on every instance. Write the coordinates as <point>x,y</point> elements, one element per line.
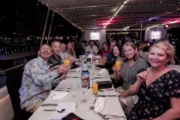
<point>95,88</point>
<point>101,61</point>
<point>67,63</point>
<point>118,65</point>
<point>70,57</point>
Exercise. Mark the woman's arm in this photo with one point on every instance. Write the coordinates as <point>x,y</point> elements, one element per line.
<point>173,113</point>
<point>133,90</point>
<point>141,77</point>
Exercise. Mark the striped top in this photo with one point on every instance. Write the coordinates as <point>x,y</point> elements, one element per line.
<point>128,74</point>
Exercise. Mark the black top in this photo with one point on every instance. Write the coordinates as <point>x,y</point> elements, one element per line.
<point>53,61</point>
<point>154,100</point>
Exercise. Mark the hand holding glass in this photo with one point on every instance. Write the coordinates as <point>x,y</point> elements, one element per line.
<point>118,65</point>
<point>67,63</point>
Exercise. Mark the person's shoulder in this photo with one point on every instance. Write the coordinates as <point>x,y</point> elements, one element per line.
<point>37,62</point>
<point>175,73</point>
<point>141,60</point>
<point>33,61</point>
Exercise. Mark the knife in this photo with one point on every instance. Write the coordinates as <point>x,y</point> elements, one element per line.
<point>72,77</point>
<point>62,90</point>
<point>107,95</point>
<point>102,77</point>
<point>49,104</point>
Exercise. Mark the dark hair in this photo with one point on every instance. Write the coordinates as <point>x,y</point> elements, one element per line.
<point>118,49</point>
<point>91,41</point>
<point>103,45</point>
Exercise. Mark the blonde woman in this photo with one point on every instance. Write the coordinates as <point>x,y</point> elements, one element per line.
<point>70,49</point>
<point>131,66</point>
<point>158,87</point>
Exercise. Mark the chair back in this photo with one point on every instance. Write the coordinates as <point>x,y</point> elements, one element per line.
<point>13,83</point>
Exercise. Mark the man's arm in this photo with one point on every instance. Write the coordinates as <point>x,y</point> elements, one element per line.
<point>40,77</point>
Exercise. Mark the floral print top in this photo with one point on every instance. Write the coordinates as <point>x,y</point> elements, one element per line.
<point>154,100</point>
<point>37,79</point>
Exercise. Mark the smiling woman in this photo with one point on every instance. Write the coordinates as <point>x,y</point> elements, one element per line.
<point>157,87</point>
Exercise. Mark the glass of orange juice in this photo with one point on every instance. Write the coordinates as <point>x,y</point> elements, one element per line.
<point>70,57</point>
<point>95,88</point>
<point>67,63</point>
<point>118,65</point>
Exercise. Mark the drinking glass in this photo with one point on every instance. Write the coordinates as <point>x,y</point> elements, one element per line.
<point>67,63</point>
<point>75,93</point>
<point>84,95</point>
<point>118,65</point>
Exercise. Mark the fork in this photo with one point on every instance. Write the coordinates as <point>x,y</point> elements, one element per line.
<point>108,116</point>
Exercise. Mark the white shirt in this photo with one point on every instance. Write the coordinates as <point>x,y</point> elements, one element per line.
<point>91,50</point>
<point>64,55</point>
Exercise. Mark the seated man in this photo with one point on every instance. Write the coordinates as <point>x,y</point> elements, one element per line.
<point>63,53</point>
<point>91,48</point>
<point>38,79</point>
<point>55,60</point>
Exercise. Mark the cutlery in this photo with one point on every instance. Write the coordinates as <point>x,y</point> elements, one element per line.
<point>49,104</point>
<point>108,116</point>
<point>102,77</point>
<point>107,95</point>
<point>62,90</point>
<point>59,111</point>
<point>92,107</point>
<point>72,77</point>
<point>73,71</point>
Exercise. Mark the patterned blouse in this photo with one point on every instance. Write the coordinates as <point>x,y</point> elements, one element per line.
<point>128,74</point>
<point>154,100</point>
<point>37,79</point>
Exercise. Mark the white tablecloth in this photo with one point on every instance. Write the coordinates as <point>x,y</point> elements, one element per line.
<point>112,105</point>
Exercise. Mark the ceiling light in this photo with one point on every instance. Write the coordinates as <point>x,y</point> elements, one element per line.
<point>125,2</point>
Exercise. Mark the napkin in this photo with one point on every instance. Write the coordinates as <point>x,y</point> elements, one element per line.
<point>99,105</point>
<point>58,95</point>
<point>123,100</point>
<point>102,72</point>
<point>135,98</point>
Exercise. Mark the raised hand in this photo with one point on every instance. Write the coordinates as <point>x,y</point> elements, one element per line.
<point>62,69</point>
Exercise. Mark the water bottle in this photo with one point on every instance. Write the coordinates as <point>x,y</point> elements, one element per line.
<point>85,76</point>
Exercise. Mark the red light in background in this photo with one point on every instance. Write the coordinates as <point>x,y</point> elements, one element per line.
<point>172,22</point>
<point>104,22</point>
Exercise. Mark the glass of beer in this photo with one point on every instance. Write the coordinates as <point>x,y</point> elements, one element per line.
<point>118,65</point>
<point>67,63</point>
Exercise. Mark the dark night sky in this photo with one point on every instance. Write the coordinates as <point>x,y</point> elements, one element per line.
<point>27,17</point>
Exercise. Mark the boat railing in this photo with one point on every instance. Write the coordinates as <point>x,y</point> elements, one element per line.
<point>12,68</point>
<point>7,72</point>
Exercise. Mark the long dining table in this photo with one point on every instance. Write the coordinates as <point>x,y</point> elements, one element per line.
<point>112,105</point>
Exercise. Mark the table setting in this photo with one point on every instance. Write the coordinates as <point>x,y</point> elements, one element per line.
<point>69,100</point>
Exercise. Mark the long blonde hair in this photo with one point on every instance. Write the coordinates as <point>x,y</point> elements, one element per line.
<point>71,51</point>
<point>168,48</point>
